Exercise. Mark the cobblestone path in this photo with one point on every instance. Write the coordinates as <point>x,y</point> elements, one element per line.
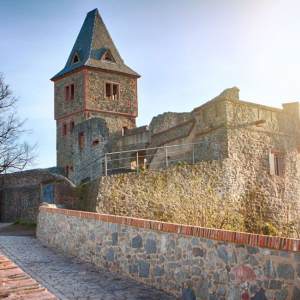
<point>68,277</point>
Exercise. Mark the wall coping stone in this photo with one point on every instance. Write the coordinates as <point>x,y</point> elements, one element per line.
<point>271,242</point>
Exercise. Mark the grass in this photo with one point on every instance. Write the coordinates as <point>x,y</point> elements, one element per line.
<point>24,223</point>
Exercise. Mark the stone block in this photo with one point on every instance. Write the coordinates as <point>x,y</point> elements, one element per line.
<point>269,269</point>
<point>159,271</point>
<point>114,238</point>
<point>144,268</point>
<point>188,294</point>
<point>282,294</point>
<point>260,295</point>
<point>285,271</point>
<point>137,242</point>
<point>243,273</point>
<point>150,246</point>
<point>198,252</point>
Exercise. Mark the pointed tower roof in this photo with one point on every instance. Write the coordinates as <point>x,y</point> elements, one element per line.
<point>95,48</point>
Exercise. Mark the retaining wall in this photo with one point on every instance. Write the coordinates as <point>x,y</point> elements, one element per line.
<point>186,261</point>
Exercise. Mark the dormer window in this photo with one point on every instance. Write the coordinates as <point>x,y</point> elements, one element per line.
<point>75,58</point>
<point>107,57</point>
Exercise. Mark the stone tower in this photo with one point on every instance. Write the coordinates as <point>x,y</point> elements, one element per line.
<point>95,83</point>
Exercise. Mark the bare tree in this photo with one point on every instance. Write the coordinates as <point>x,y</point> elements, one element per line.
<point>15,155</point>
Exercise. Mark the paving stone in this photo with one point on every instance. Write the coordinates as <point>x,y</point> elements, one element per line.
<point>67,277</point>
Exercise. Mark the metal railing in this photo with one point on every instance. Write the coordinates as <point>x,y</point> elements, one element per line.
<point>153,158</point>
<point>137,160</point>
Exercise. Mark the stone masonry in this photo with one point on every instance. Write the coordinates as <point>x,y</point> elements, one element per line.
<point>186,261</point>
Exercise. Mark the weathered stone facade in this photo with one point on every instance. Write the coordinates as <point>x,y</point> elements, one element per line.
<point>95,83</point>
<point>254,138</point>
<point>20,193</point>
<point>185,261</point>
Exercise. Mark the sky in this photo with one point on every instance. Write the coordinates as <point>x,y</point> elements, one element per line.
<point>187,52</point>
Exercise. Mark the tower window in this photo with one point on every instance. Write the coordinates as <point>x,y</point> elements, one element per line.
<point>112,91</point>
<point>69,92</point>
<point>64,129</point>
<point>80,140</point>
<point>95,143</point>
<point>107,57</point>
<point>67,170</point>
<point>75,58</point>
<point>72,125</point>
<point>124,131</point>
<point>277,163</point>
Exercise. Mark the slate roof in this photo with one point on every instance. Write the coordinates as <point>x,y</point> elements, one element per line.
<point>93,40</point>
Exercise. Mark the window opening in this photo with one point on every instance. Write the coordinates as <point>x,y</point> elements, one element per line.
<point>69,92</point>
<point>124,131</point>
<point>72,91</point>
<point>112,91</point>
<point>72,125</point>
<point>95,143</point>
<point>80,140</point>
<point>108,57</point>
<point>75,59</point>
<point>67,170</point>
<point>277,163</point>
<point>64,129</point>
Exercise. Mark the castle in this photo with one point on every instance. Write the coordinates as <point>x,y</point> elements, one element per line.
<point>96,106</point>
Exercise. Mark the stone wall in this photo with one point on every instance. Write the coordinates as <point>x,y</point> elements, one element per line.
<point>250,145</point>
<point>95,143</point>
<point>20,194</point>
<point>167,120</point>
<point>128,93</point>
<point>214,193</point>
<point>185,261</point>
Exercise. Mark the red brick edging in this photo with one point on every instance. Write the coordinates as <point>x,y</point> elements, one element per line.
<point>271,242</point>
<point>16,284</point>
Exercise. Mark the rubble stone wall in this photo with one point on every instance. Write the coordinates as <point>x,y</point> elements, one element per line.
<point>20,194</point>
<point>185,261</point>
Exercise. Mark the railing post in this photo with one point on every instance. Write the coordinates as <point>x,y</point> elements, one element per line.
<point>137,162</point>
<point>105,165</point>
<point>193,154</point>
<point>167,164</point>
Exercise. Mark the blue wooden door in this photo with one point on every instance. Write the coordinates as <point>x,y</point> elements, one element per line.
<point>48,192</point>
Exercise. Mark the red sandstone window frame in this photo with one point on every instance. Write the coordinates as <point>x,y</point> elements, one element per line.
<point>277,163</point>
<point>112,90</point>
<point>69,92</point>
<point>64,128</point>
